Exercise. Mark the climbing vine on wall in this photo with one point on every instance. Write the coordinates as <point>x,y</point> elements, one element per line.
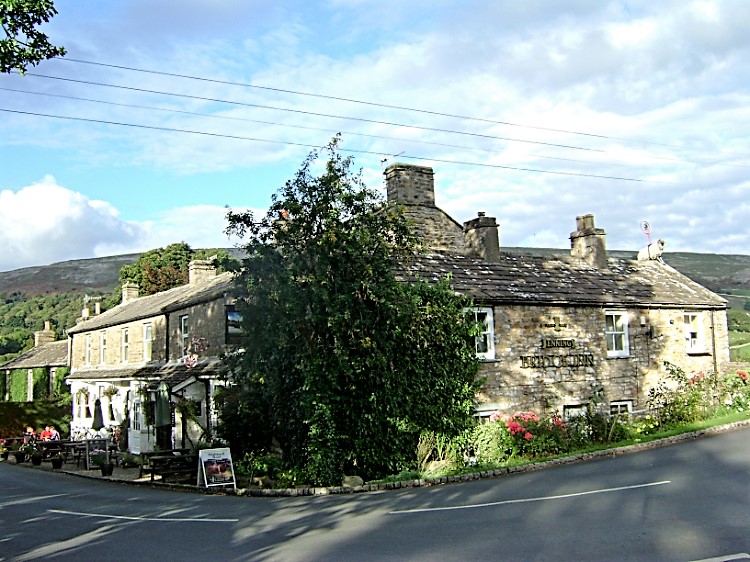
<point>40,378</point>
<point>18,382</point>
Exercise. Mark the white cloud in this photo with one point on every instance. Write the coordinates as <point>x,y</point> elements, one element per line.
<point>45,222</point>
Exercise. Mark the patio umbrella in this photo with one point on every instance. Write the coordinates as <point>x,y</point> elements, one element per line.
<point>163,413</point>
<point>98,416</point>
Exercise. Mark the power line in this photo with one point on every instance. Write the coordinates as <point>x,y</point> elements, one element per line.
<point>303,112</point>
<point>367,103</point>
<point>304,145</point>
<point>303,127</point>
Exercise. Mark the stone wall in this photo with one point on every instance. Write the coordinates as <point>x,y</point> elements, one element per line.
<point>550,357</point>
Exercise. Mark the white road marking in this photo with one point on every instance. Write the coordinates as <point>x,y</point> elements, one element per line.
<point>130,518</point>
<point>727,558</point>
<point>529,500</point>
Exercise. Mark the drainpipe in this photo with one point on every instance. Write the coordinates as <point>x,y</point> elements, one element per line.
<point>713,344</point>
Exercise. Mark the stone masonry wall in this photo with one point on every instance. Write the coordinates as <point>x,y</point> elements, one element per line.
<point>550,357</point>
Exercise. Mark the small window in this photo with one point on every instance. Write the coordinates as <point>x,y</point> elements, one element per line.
<point>693,333</point>
<point>102,347</point>
<point>621,408</point>
<point>125,345</point>
<point>484,341</point>
<point>87,357</point>
<point>148,341</point>
<point>616,333</point>
<point>574,411</point>
<point>184,334</point>
<point>234,325</point>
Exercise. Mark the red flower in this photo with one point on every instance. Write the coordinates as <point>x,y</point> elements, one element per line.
<point>527,436</point>
<point>514,428</point>
<point>743,375</point>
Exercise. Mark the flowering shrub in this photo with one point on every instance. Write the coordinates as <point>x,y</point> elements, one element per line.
<point>736,391</point>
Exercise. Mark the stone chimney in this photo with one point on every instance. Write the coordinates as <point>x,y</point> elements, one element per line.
<point>129,292</point>
<point>407,184</point>
<point>201,270</point>
<point>482,238</point>
<point>44,336</point>
<point>589,243</point>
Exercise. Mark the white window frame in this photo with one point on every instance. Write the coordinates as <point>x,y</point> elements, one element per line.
<point>487,336</point>
<point>125,343</point>
<point>87,352</point>
<point>184,334</point>
<point>102,347</point>
<point>611,335</point>
<point>693,326</point>
<point>571,411</point>
<point>148,341</point>
<point>621,407</point>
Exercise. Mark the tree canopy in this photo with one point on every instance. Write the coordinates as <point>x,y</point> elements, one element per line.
<point>161,269</point>
<point>24,45</point>
<point>343,363</point>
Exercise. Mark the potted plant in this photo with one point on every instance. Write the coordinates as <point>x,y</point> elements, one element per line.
<point>18,452</point>
<point>102,461</point>
<point>57,461</point>
<point>36,457</point>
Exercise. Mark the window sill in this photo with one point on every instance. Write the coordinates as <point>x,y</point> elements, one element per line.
<point>697,353</point>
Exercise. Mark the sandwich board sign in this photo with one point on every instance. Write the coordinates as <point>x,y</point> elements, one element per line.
<point>216,468</point>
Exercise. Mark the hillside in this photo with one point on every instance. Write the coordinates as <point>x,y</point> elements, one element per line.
<point>719,272</point>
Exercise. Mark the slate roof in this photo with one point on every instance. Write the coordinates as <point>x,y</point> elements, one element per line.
<point>52,354</point>
<point>527,279</point>
<point>158,304</point>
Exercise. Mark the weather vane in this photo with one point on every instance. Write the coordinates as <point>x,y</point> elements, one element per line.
<point>646,228</point>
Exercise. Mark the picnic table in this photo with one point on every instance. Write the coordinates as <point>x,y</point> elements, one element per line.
<point>169,463</point>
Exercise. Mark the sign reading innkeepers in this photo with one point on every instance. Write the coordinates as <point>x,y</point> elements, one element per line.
<point>216,468</point>
<point>570,360</point>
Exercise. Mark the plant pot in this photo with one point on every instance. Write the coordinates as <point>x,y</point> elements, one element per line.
<point>57,463</point>
<point>20,457</point>
<point>36,460</point>
<point>107,468</point>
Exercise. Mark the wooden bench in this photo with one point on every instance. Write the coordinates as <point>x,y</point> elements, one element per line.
<point>169,463</point>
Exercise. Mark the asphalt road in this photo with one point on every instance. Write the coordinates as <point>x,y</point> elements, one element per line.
<point>689,501</point>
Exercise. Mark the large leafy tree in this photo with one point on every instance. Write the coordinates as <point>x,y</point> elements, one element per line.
<point>343,363</point>
<point>24,44</point>
<point>161,269</point>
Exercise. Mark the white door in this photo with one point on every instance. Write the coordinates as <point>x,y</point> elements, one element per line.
<point>136,422</point>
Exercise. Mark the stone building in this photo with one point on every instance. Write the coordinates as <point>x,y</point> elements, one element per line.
<point>38,372</point>
<point>563,329</point>
<point>164,346</point>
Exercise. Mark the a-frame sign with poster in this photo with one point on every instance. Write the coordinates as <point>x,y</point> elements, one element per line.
<point>216,468</point>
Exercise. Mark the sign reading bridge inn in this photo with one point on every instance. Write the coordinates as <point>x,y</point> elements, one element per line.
<point>553,360</point>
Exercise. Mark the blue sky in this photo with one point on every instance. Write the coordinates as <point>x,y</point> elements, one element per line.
<point>631,110</point>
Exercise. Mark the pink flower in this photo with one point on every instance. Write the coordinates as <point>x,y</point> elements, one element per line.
<point>495,416</point>
<point>742,375</point>
<point>515,428</point>
<point>527,436</point>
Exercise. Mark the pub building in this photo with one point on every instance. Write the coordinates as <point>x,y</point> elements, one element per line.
<point>562,329</point>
